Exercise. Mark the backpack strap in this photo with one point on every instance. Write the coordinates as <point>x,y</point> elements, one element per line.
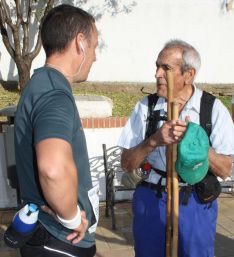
<point>187,191</point>
<point>153,117</point>
<point>206,106</point>
<point>207,102</point>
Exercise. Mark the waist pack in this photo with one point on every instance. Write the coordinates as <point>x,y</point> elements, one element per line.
<point>208,189</point>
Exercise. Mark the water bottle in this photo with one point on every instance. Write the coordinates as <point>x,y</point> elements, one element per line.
<point>22,226</point>
<point>26,218</point>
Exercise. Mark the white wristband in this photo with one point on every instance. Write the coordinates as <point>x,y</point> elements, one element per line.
<point>73,223</point>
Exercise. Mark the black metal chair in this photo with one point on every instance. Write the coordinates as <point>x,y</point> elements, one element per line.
<point>227,187</point>
<point>113,174</point>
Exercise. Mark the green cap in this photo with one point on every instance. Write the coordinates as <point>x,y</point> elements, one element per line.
<point>192,154</point>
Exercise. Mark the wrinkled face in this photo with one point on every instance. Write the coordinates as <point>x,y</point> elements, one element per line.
<point>89,52</point>
<point>169,59</point>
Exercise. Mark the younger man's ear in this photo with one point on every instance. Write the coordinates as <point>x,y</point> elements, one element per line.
<point>79,45</point>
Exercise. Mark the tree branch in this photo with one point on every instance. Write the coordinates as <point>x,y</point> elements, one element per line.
<point>5,37</point>
<point>25,25</point>
<point>7,17</point>
<point>29,11</point>
<point>6,41</point>
<point>16,39</point>
<point>18,13</point>
<point>4,7</point>
<point>37,48</point>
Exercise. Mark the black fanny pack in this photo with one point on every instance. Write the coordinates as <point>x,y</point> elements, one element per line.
<point>208,189</point>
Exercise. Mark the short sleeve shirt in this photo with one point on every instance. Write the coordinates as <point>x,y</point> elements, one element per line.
<point>222,135</point>
<point>47,109</point>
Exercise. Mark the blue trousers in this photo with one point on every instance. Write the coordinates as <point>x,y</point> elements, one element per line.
<point>197,225</point>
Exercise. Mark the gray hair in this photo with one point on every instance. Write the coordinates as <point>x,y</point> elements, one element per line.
<point>190,56</point>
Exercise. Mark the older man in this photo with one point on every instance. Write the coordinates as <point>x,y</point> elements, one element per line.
<point>197,221</point>
<point>51,153</point>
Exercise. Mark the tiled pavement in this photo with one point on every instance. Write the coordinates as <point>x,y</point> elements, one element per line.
<point>120,243</point>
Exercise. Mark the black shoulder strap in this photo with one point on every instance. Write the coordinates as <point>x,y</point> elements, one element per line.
<point>153,116</point>
<point>207,102</point>
<point>206,105</point>
<point>152,100</point>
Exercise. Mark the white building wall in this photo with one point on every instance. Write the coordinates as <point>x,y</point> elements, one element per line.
<point>133,40</point>
<point>94,138</point>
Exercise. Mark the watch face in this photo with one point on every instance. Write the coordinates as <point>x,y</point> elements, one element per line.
<point>144,174</point>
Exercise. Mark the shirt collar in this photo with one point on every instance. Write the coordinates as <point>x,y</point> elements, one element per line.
<point>161,104</point>
<point>194,101</point>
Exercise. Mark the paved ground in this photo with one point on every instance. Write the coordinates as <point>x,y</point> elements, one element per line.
<point>120,243</point>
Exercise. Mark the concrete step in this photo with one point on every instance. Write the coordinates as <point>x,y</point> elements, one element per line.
<point>94,106</point>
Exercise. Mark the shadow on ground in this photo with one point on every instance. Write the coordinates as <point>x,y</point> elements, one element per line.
<point>224,246</point>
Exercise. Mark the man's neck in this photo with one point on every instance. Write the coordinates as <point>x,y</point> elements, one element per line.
<point>184,95</point>
<point>58,64</point>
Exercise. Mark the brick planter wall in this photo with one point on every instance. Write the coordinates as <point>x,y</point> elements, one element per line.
<point>109,122</point>
<point>87,123</point>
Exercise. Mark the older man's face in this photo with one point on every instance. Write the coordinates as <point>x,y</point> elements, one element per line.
<point>169,59</point>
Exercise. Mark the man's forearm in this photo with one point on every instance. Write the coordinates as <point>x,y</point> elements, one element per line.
<point>132,158</point>
<point>220,164</point>
<point>60,191</point>
<point>58,176</point>
<point>170,133</point>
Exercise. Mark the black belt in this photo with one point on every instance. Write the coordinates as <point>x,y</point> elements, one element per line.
<point>159,188</point>
<point>152,186</point>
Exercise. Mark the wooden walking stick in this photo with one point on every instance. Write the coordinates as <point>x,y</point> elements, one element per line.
<point>172,180</point>
<point>175,189</point>
<point>169,171</point>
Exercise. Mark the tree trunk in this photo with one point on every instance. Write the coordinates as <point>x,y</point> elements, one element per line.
<point>24,67</point>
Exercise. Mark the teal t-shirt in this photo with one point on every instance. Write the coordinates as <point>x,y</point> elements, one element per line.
<point>47,109</point>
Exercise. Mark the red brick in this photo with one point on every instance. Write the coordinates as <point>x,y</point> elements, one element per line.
<point>109,122</point>
<point>95,122</point>
<point>84,123</point>
<point>125,119</point>
<point>122,121</point>
<point>101,123</point>
<point>89,123</point>
<point>106,122</point>
<point>112,122</point>
<point>117,120</point>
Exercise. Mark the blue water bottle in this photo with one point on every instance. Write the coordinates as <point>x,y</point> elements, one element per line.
<point>22,226</point>
<point>26,218</point>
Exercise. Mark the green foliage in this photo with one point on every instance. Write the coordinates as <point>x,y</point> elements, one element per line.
<point>8,97</point>
<point>122,103</point>
<point>226,101</point>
